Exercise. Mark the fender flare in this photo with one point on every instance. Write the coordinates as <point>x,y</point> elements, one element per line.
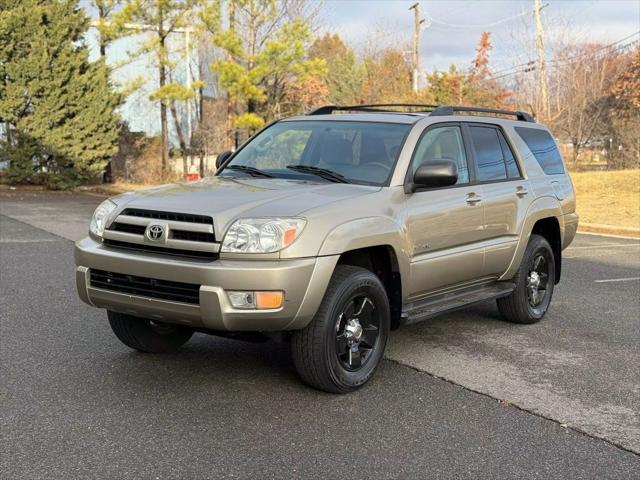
<point>540,208</point>
<point>370,232</point>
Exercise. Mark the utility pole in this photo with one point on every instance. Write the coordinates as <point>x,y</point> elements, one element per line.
<point>542,69</point>
<point>416,43</point>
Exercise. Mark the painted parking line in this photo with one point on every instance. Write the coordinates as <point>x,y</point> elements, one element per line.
<point>34,240</point>
<point>605,245</point>
<point>628,279</point>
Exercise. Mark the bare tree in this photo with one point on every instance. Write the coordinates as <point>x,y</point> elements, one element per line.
<point>584,77</point>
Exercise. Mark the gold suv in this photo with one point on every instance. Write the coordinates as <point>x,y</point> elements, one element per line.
<point>329,229</point>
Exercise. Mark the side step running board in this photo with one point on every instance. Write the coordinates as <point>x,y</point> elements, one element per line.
<point>430,307</point>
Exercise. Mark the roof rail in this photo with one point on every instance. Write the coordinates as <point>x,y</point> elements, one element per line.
<point>377,107</point>
<point>434,110</point>
<point>445,110</point>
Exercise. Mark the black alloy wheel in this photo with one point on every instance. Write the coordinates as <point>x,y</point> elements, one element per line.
<point>340,349</point>
<point>357,329</point>
<point>534,284</point>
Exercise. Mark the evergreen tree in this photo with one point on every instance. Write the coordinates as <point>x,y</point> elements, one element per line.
<point>58,108</point>
<point>344,78</point>
<point>258,74</point>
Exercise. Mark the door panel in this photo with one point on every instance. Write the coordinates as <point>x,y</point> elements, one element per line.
<point>444,229</point>
<point>506,196</point>
<point>505,205</point>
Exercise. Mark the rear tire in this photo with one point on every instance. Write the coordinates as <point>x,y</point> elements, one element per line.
<point>534,284</point>
<point>147,335</point>
<point>341,348</point>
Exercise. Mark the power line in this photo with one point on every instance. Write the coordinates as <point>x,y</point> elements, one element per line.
<point>481,25</point>
<point>530,65</point>
<point>604,47</point>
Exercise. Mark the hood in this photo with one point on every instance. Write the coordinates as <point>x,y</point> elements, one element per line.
<point>226,199</point>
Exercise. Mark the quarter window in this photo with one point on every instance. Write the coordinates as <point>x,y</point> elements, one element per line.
<point>544,149</point>
<point>509,159</point>
<point>442,143</point>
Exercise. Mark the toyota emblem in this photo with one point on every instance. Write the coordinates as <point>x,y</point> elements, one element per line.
<point>155,232</point>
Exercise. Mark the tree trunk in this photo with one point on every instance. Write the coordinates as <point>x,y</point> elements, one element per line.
<point>102,15</point>
<point>181,140</point>
<point>575,153</point>
<point>232,27</point>
<point>164,134</point>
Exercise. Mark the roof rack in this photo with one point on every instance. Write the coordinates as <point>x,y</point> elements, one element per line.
<point>434,110</point>
<point>445,110</point>
<point>377,107</point>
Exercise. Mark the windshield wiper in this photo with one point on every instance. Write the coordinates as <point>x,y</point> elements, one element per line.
<point>320,172</point>
<point>251,170</point>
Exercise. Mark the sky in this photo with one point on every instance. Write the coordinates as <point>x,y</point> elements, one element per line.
<point>454,28</point>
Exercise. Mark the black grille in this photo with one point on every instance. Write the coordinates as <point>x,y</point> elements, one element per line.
<point>176,217</point>
<point>192,236</point>
<point>126,228</point>
<point>146,287</point>
<point>176,252</point>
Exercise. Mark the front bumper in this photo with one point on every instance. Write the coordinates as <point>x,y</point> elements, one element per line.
<point>303,280</point>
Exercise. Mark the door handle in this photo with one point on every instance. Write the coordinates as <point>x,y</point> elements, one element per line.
<point>472,199</point>
<point>521,191</point>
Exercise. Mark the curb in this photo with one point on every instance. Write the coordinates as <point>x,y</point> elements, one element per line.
<point>609,229</point>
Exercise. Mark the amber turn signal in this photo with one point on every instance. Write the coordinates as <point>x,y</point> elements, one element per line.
<point>269,299</point>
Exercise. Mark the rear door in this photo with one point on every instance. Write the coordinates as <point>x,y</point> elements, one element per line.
<point>506,194</point>
<point>444,225</point>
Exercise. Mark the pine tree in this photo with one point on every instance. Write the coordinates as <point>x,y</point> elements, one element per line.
<point>53,101</point>
<point>344,78</point>
<point>259,73</point>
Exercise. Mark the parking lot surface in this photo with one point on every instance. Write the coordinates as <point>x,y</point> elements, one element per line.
<point>461,396</point>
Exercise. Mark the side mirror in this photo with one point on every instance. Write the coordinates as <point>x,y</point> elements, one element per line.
<point>439,172</point>
<point>223,157</point>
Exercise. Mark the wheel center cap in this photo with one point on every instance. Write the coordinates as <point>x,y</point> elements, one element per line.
<point>353,330</point>
<point>534,279</point>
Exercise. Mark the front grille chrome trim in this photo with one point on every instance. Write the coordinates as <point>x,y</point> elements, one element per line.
<point>173,225</point>
<point>185,235</point>
<point>170,242</point>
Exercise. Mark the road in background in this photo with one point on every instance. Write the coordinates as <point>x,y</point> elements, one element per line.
<point>75,402</point>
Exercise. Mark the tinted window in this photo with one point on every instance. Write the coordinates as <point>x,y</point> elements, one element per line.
<point>509,159</point>
<point>363,152</point>
<point>486,144</point>
<point>442,143</point>
<point>543,148</point>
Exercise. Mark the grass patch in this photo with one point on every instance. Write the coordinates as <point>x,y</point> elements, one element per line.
<point>608,197</point>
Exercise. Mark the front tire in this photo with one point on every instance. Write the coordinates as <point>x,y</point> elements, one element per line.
<point>534,284</point>
<point>341,348</point>
<point>147,335</point>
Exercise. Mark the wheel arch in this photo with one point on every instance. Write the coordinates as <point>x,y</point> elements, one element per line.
<point>549,228</point>
<point>383,262</point>
<point>541,219</point>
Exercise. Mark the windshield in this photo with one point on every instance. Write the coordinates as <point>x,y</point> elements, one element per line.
<point>322,151</point>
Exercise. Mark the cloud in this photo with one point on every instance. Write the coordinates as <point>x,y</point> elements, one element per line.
<point>446,42</point>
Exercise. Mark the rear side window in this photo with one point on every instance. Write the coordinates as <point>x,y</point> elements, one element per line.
<point>543,148</point>
<point>489,158</point>
<point>509,159</point>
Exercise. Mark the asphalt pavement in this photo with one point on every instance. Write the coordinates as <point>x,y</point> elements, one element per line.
<point>462,396</point>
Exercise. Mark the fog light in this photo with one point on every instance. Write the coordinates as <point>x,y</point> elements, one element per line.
<point>242,299</point>
<point>256,300</point>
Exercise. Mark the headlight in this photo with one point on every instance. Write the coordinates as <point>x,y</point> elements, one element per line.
<point>261,235</point>
<point>99,219</point>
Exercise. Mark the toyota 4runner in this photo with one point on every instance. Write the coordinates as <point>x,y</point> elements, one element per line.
<point>333,228</point>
